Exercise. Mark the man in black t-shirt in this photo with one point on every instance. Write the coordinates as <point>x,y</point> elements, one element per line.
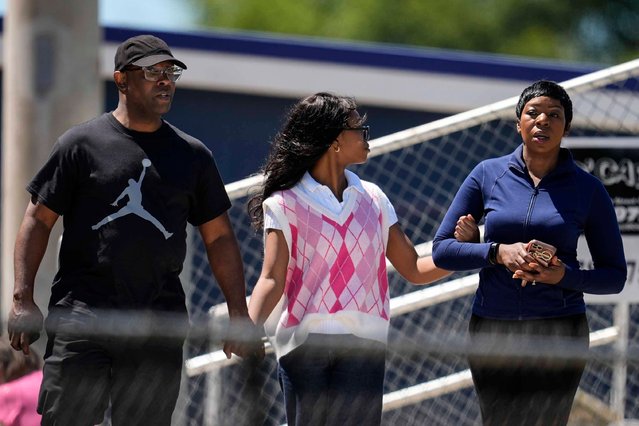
<point>126,183</point>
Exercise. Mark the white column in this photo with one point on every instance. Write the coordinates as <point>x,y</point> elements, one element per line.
<point>50,83</point>
<point>620,370</point>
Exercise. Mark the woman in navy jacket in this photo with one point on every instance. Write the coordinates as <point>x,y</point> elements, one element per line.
<point>537,192</point>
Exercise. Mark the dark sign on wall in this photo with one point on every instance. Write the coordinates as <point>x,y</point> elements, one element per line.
<point>615,161</point>
<point>618,169</point>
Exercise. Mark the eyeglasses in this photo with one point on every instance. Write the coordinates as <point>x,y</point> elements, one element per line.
<point>366,134</point>
<point>173,73</point>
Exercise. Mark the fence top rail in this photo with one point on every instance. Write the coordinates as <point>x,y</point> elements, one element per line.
<point>464,120</point>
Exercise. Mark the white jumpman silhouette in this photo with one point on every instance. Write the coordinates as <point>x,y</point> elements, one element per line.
<point>134,205</point>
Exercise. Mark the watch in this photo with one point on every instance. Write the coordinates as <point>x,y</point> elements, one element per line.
<point>492,253</point>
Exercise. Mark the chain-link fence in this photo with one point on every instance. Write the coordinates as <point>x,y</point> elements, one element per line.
<point>427,381</point>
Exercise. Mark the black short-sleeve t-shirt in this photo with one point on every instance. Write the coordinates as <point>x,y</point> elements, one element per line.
<point>125,198</point>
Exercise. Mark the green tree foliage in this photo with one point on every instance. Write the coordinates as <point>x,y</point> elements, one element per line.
<point>585,30</point>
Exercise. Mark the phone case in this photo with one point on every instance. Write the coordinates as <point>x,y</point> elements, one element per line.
<point>542,252</point>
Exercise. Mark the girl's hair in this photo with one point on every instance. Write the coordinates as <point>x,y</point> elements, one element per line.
<point>549,89</point>
<point>311,126</point>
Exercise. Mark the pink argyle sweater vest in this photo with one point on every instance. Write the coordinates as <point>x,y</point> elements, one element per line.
<point>336,281</point>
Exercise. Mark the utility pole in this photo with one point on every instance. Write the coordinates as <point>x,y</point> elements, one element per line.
<point>50,82</point>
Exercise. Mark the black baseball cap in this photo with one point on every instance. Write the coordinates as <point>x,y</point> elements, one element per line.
<point>143,51</point>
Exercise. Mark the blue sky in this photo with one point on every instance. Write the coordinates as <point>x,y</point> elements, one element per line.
<point>155,14</point>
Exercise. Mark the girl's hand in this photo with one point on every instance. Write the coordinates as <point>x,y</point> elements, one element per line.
<point>466,230</point>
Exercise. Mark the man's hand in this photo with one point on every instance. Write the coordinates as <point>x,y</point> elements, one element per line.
<point>24,325</point>
<point>243,339</point>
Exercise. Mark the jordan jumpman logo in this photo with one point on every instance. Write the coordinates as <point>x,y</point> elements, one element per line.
<point>134,192</point>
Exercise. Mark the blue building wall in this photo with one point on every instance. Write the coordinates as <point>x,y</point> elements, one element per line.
<point>238,127</point>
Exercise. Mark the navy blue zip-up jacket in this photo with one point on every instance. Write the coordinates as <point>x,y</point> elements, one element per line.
<point>566,203</point>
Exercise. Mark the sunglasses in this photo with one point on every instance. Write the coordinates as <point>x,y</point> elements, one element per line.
<point>151,73</point>
<point>364,129</point>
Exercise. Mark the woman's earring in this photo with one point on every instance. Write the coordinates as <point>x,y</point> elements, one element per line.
<point>337,149</point>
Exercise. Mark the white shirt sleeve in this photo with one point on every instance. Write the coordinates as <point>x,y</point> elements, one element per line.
<point>389,217</point>
<point>270,219</point>
<point>388,211</point>
<point>274,219</point>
